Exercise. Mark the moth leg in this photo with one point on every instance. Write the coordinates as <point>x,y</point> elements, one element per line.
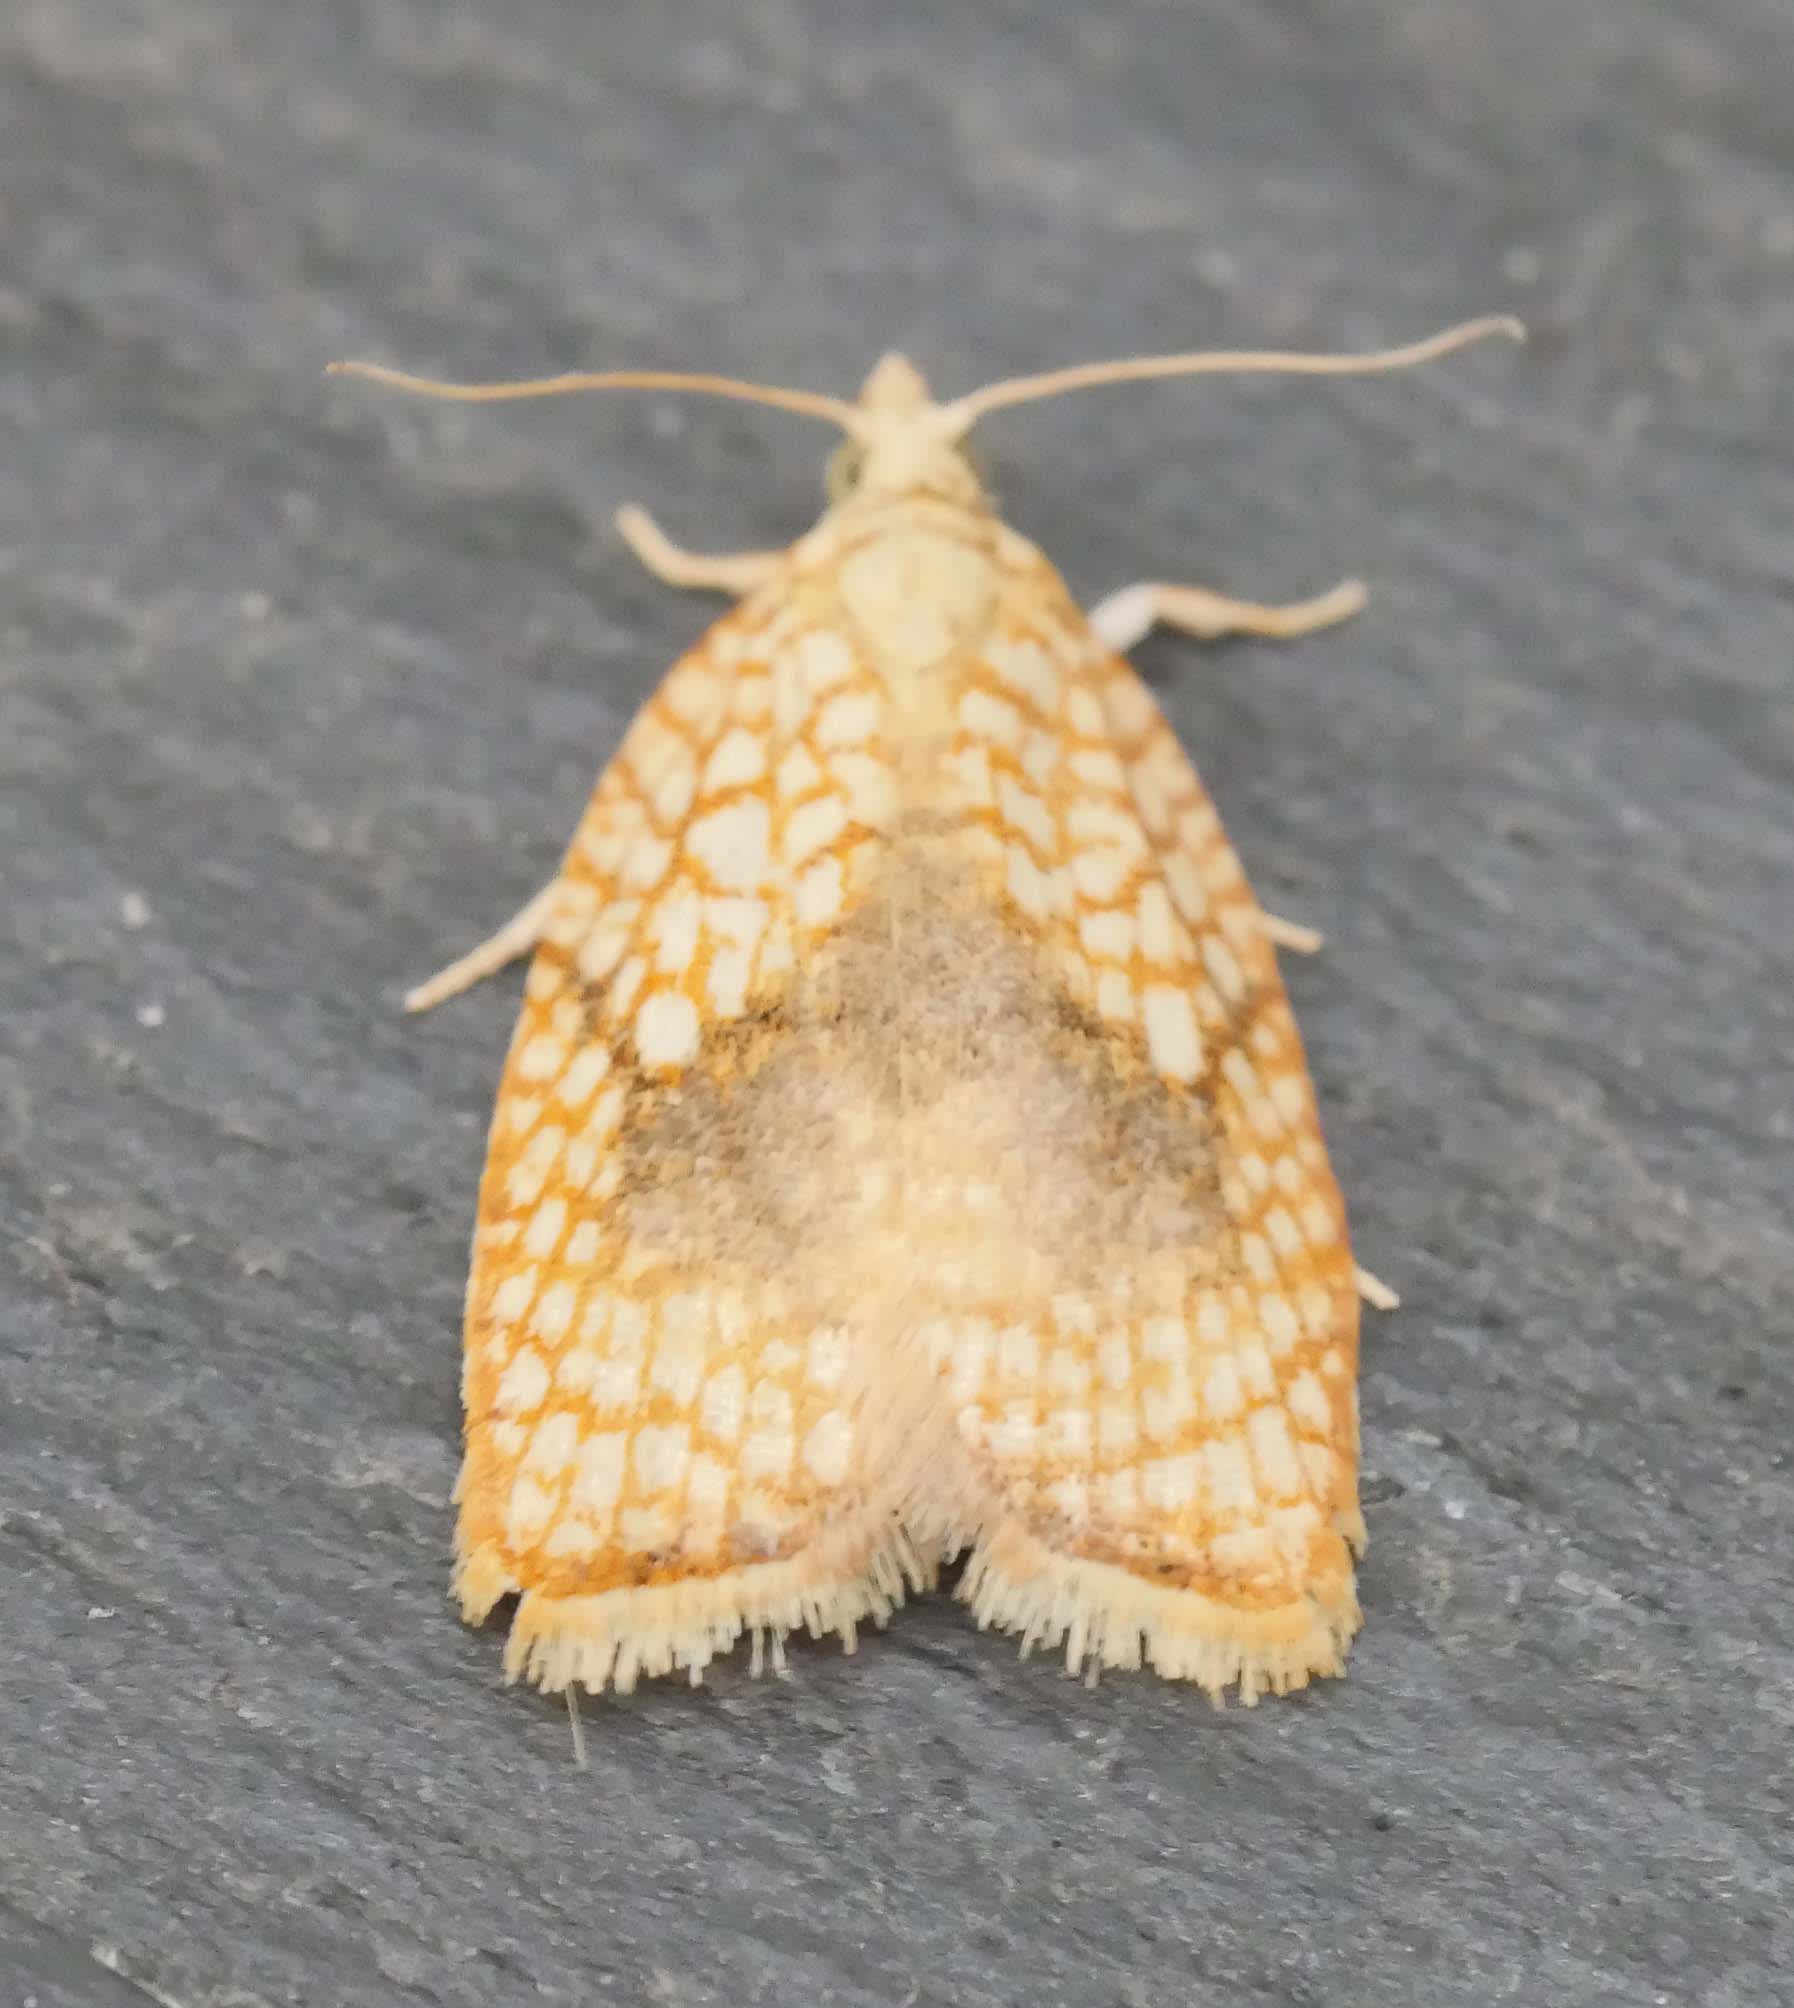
<point>1375,1292</point>
<point>1291,934</point>
<point>1126,617</point>
<point>517,937</point>
<point>737,572</point>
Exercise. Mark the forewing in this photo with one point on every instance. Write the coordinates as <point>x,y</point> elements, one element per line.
<point>660,1450</point>
<point>1161,1464</point>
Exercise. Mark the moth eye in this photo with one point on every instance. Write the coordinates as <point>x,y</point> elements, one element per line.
<point>844,465</point>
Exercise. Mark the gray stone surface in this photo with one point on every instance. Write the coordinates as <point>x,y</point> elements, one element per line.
<point>301,690</point>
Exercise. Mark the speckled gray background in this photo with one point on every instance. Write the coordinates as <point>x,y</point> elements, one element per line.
<point>301,690</point>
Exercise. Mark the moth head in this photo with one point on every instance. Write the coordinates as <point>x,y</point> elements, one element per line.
<point>900,442</point>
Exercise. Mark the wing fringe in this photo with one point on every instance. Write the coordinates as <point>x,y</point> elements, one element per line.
<point>619,1637</point>
<point>1106,1617</point>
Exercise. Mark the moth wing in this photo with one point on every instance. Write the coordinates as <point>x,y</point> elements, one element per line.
<point>659,1450</point>
<point>1164,1469</point>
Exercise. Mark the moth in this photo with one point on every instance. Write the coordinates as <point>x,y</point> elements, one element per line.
<point>906,1146</point>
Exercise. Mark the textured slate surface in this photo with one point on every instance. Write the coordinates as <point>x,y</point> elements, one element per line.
<point>301,691</point>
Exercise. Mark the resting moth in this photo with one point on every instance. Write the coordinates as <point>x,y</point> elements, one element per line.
<point>906,1145</point>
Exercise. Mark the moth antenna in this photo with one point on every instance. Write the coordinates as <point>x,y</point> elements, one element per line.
<point>809,403</point>
<point>967,410</point>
